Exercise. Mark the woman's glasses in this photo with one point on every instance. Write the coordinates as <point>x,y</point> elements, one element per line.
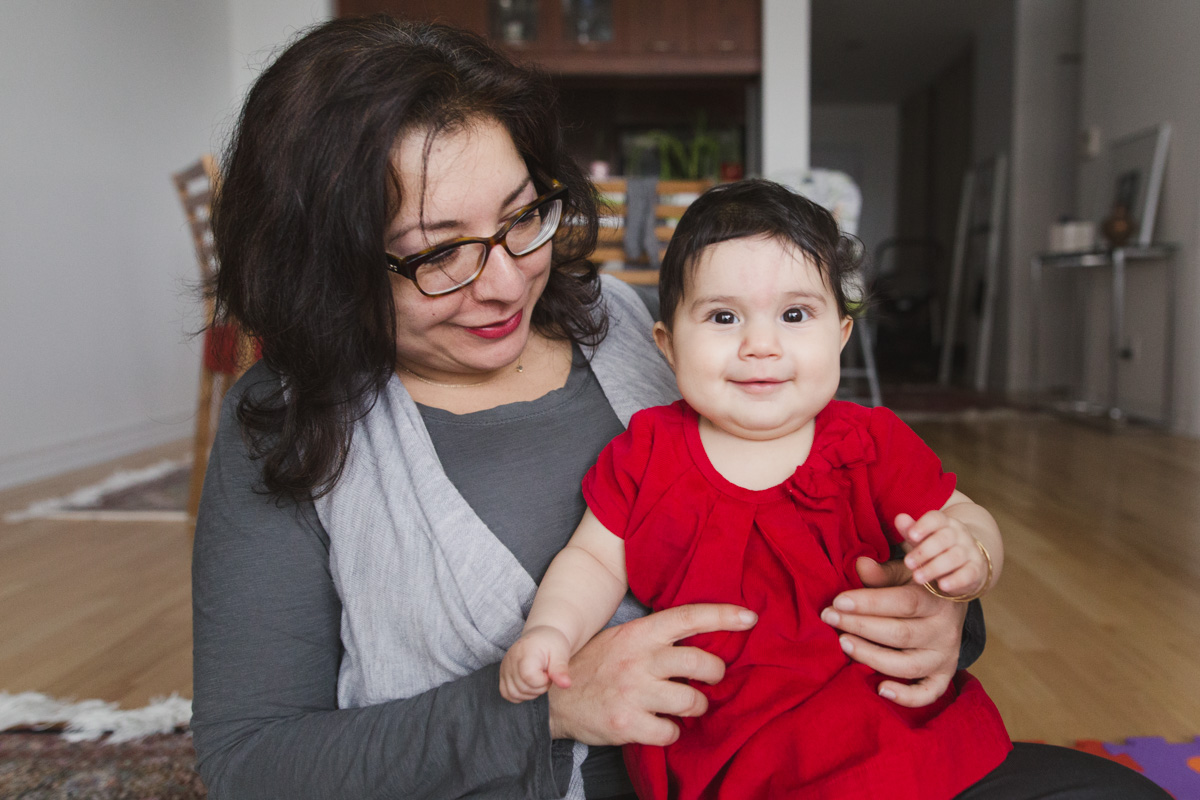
<point>451,265</point>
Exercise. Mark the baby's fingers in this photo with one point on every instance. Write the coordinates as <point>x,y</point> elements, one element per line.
<point>921,555</point>
<point>915,532</point>
<point>963,579</point>
<point>515,688</point>
<point>557,671</point>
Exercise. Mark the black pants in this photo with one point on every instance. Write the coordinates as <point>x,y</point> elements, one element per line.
<point>1045,772</point>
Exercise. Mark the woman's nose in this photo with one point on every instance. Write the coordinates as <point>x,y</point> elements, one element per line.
<point>502,278</point>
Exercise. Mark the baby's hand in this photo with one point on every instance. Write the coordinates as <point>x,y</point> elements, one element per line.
<point>943,550</point>
<point>536,660</point>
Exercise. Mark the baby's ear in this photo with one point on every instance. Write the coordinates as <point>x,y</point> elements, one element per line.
<point>847,327</point>
<point>662,338</point>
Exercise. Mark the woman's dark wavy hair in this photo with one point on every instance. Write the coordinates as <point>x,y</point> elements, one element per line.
<point>308,190</point>
<point>760,208</point>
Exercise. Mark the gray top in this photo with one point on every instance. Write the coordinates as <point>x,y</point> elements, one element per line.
<point>529,496</point>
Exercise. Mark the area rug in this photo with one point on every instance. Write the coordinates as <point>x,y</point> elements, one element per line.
<point>51,749</point>
<point>45,766</point>
<point>155,493</point>
<point>1175,766</point>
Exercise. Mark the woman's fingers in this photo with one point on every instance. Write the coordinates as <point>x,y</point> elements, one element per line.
<point>681,622</point>
<point>690,663</point>
<point>899,630</point>
<point>875,574</point>
<point>678,700</point>
<point>623,678</point>
<point>910,664</point>
<point>915,695</point>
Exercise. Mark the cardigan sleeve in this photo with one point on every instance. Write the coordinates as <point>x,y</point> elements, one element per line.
<point>267,648</point>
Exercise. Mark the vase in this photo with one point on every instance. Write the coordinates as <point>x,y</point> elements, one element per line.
<point>1118,227</point>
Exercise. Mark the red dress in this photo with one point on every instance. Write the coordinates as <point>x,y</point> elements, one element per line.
<point>794,716</point>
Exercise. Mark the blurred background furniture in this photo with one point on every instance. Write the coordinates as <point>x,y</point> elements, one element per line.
<point>228,352</point>
<point>615,252</point>
<point>905,308</point>
<point>975,272</point>
<point>1117,260</point>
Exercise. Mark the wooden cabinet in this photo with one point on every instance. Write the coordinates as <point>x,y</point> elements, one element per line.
<point>604,37</point>
<point>724,28</point>
<point>469,14</point>
<point>714,28</point>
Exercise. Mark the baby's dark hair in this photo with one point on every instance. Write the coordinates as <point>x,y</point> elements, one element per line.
<point>759,208</point>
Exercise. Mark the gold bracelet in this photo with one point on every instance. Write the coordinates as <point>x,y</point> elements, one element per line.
<point>978,593</point>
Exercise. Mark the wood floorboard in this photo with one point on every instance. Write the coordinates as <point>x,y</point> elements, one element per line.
<point>95,609</point>
<point>1093,632</point>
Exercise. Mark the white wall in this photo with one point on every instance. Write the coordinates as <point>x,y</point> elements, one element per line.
<point>259,28</point>
<point>102,102</point>
<point>863,140</point>
<point>786,86</point>
<point>1141,67</point>
<point>1044,147</point>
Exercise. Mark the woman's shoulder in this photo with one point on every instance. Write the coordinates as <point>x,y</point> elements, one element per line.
<point>256,383</point>
<point>629,301</point>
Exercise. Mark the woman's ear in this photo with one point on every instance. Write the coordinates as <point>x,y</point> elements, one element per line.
<point>847,327</point>
<point>662,338</point>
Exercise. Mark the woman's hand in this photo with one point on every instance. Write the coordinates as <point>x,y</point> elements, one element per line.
<point>622,679</point>
<point>898,628</point>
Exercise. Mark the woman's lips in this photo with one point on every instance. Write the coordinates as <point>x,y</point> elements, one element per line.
<point>500,329</point>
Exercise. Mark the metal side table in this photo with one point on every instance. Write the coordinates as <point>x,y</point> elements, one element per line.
<point>1117,259</point>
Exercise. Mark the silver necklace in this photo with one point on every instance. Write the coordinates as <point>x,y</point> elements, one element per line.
<point>422,379</point>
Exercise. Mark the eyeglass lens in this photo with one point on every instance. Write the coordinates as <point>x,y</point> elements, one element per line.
<point>449,269</point>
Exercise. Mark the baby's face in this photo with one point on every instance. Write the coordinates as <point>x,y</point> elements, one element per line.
<point>756,339</point>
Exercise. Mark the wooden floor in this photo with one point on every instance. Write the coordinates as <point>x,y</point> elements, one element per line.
<point>95,609</point>
<point>1094,631</point>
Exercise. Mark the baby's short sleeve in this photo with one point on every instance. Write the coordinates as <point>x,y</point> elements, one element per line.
<point>611,485</point>
<point>907,476</point>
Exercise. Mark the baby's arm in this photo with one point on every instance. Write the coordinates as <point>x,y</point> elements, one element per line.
<point>581,590</point>
<point>944,547</point>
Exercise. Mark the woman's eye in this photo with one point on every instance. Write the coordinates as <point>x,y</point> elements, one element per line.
<point>531,219</point>
<point>795,315</point>
<point>724,317</point>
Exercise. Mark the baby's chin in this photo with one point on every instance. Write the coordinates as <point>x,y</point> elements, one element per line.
<point>759,430</point>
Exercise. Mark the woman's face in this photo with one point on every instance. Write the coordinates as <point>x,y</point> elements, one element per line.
<point>470,184</point>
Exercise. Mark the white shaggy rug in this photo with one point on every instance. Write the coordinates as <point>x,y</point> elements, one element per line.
<point>86,504</point>
<point>90,719</point>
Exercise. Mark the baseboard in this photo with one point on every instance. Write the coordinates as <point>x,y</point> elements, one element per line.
<point>46,462</point>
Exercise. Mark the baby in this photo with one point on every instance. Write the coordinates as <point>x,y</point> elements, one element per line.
<point>759,489</point>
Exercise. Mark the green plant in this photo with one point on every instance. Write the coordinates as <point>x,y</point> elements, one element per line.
<point>698,158</point>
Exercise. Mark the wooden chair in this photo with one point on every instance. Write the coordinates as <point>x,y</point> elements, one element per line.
<point>228,352</point>
<point>674,196</point>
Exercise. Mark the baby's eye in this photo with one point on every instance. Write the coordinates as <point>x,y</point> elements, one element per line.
<point>723,317</point>
<point>795,315</point>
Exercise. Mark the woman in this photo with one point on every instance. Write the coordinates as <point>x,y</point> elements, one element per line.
<point>390,483</point>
